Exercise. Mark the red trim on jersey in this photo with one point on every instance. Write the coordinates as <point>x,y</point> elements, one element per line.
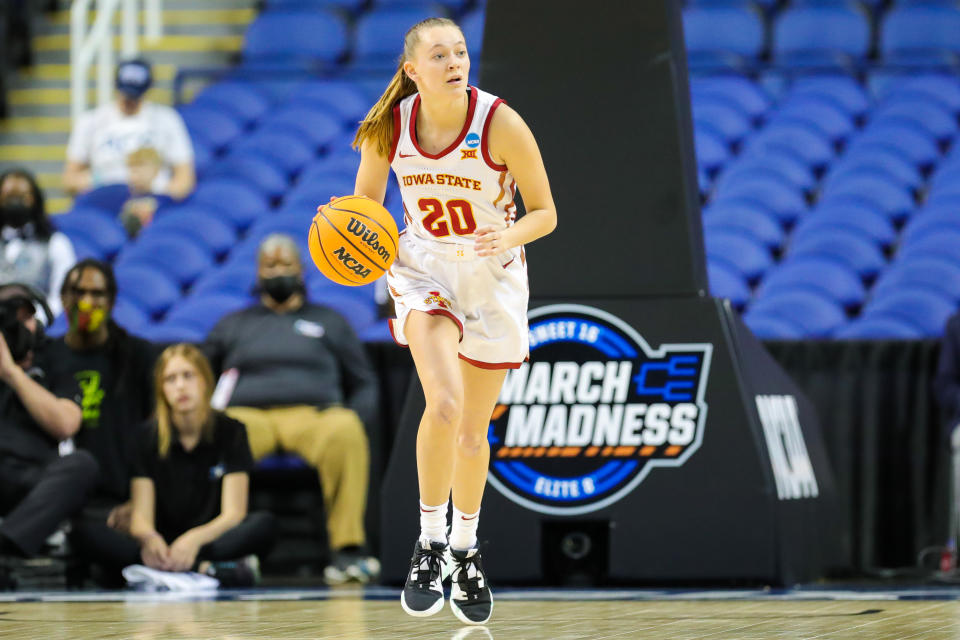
<point>393,334</point>
<point>444,312</point>
<point>484,149</point>
<point>396,131</point>
<point>492,365</point>
<point>472,106</point>
<point>503,191</point>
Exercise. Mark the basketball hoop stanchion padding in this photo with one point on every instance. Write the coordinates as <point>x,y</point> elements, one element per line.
<point>651,438</point>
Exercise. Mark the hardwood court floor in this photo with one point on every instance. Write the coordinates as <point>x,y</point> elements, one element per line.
<point>520,615</point>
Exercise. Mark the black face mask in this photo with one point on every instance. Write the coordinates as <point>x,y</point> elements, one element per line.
<point>281,287</point>
<point>15,212</point>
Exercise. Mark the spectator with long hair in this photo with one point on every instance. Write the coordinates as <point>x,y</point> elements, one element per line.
<point>191,483</point>
<point>31,250</point>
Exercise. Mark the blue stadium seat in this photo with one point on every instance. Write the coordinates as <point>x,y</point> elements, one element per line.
<point>242,99</point>
<point>710,150</point>
<point>811,111</point>
<point>877,328</point>
<point>803,142</point>
<point>859,253</point>
<point>236,278</point>
<point>294,224</point>
<point>879,161</point>
<point>945,199</point>
<point>783,166</point>
<point>924,36</point>
<point>930,222</point>
<point>945,184</point>
<point>212,126</point>
<point>99,230</point>
<point>850,216</point>
<point>359,311</point>
<point>129,316</point>
<point>309,123</point>
<point>446,5</point>
<point>815,313</point>
<point>198,222</point>
<point>936,121</point>
<point>253,170</point>
<point>914,144</point>
<point>84,248</point>
<point>285,150</point>
<point>180,256</point>
<point>742,253</point>
<point>345,160</point>
<point>944,88</point>
<point>378,35</point>
<point>297,38</point>
<point>202,158</point>
<point>148,287</point>
<point>744,217</point>
<point>942,245</point>
<point>204,311</point>
<point>724,119</point>
<point>378,331</point>
<point>341,98</point>
<point>937,274</point>
<point>878,193</point>
<point>825,276</point>
<point>727,283</point>
<point>168,333</point>
<point>722,37</point>
<point>347,5</point>
<point>821,37</point>
<point>841,90</point>
<point>318,187</point>
<point>738,90</point>
<point>769,326</point>
<point>782,200</point>
<point>109,198</point>
<point>472,26</point>
<point>926,310</point>
<point>235,200</point>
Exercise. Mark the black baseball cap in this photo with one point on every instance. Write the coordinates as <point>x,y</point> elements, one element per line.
<point>134,78</point>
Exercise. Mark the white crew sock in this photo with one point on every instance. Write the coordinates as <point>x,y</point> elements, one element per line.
<point>433,523</point>
<point>463,534</point>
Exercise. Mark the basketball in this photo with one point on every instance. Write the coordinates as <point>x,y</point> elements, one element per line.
<point>353,240</point>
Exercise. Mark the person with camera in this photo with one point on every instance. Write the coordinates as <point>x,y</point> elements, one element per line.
<point>110,373</point>
<point>39,488</point>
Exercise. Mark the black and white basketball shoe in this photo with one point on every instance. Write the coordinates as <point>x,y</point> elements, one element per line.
<point>470,596</point>
<point>423,592</point>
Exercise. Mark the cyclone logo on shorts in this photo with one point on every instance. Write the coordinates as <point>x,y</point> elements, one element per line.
<point>594,412</point>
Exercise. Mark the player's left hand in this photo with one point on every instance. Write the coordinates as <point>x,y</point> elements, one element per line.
<point>490,241</point>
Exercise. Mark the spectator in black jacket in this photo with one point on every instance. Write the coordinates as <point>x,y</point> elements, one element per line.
<point>38,487</point>
<point>110,373</point>
<point>304,385</point>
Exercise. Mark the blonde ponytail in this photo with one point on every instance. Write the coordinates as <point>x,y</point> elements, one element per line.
<point>378,123</point>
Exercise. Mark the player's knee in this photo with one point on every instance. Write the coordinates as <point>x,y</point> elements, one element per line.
<point>470,444</point>
<point>445,409</point>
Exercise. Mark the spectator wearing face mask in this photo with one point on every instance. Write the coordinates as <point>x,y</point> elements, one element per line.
<point>103,139</point>
<point>304,385</point>
<point>31,250</point>
<point>110,374</point>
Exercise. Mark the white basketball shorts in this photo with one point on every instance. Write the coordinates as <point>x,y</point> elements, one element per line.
<point>486,296</point>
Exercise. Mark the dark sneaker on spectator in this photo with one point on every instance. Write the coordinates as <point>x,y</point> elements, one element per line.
<point>423,592</point>
<point>351,567</point>
<point>244,572</point>
<point>470,596</point>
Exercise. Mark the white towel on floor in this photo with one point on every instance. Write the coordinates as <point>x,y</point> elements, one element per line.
<point>147,579</point>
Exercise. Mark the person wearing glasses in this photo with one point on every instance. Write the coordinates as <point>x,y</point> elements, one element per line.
<point>110,375</point>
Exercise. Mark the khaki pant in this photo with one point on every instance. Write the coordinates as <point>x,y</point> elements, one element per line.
<point>334,443</point>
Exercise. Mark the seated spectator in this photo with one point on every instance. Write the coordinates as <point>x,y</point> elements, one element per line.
<point>33,252</point>
<point>191,482</point>
<point>39,489</point>
<point>101,144</point>
<point>305,386</point>
<point>110,372</point>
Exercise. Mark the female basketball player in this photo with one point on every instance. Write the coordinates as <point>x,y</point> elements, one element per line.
<point>459,284</point>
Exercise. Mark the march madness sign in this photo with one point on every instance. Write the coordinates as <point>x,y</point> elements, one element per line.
<point>594,411</point>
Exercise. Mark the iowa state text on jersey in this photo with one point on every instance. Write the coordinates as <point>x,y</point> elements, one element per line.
<point>595,410</point>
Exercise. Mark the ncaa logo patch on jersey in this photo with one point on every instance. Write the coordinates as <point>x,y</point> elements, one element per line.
<point>472,140</point>
<point>594,412</point>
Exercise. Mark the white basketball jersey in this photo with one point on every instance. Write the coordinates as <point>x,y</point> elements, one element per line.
<point>447,195</point>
